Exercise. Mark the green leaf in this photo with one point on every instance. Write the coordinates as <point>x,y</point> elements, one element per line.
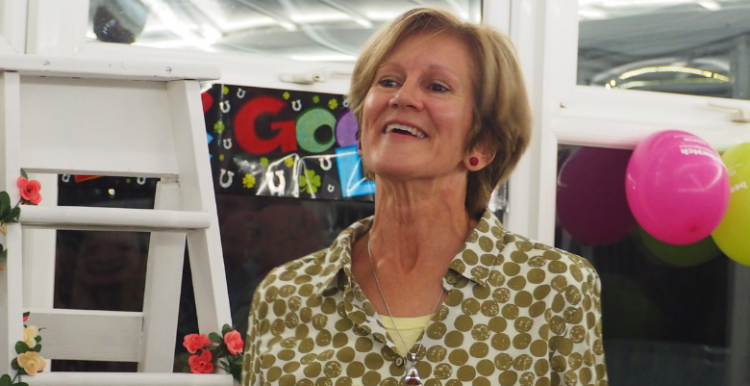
<point>21,347</point>
<point>186,369</point>
<point>220,351</point>
<point>14,364</point>
<point>14,214</point>
<point>5,380</point>
<point>236,371</point>
<point>23,173</point>
<point>38,338</point>
<point>4,205</point>
<point>225,329</point>
<point>3,254</point>
<point>184,357</point>
<point>216,338</point>
<point>21,384</point>
<point>37,348</point>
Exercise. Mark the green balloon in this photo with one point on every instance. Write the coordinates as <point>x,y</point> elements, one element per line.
<point>733,233</point>
<point>680,255</point>
<point>627,311</point>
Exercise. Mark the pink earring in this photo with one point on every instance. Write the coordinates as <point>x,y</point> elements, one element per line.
<point>474,161</point>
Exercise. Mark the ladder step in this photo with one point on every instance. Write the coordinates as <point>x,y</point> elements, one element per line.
<point>127,379</point>
<point>107,335</point>
<point>55,66</point>
<point>112,219</point>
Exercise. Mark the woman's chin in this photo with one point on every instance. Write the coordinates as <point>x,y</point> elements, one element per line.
<point>400,171</point>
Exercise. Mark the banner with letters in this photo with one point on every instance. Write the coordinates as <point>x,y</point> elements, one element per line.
<point>269,142</point>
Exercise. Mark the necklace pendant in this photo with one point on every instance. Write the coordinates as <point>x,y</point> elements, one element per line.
<point>412,375</point>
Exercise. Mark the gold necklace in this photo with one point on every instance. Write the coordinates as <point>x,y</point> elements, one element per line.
<point>412,375</point>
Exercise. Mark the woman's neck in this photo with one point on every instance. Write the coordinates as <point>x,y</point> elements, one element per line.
<point>418,222</point>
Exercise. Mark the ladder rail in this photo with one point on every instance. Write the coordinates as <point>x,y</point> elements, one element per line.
<point>93,218</point>
<point>128,379</point>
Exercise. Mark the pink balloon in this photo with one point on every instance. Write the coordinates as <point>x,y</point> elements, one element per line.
<point>591,202</point>
<point>677,187</point>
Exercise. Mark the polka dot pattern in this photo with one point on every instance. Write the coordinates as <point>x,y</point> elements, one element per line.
<point>517,313</point>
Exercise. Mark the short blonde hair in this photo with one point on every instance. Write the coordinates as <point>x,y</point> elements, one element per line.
<point>502,115</point>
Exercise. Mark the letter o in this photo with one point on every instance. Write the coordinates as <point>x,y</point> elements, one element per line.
<point>308,124</point>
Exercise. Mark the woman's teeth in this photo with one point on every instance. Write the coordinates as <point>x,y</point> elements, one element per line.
<point>404,129</point>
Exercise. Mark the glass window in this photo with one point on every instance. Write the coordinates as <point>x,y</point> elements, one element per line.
<point>697,47</point>
<point>320,30</point>
<point>664,307</point>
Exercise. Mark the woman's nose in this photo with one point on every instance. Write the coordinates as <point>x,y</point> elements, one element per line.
<point>408,95</point>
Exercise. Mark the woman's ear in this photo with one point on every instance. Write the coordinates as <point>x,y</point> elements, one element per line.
<point>478,158</point>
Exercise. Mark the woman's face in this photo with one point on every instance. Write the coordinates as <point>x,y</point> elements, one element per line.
<point>418,113</point>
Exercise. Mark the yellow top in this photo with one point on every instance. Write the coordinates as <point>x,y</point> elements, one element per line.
<point>410,329</point>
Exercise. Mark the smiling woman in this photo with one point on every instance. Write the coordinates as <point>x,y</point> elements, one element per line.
<point>432,288</point>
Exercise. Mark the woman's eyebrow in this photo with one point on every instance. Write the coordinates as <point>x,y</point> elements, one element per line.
<point>440,67</point>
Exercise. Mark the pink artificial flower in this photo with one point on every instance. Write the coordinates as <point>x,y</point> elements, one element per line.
<point>195,342</point>
<point>201,364</point>
<point>234,343</point>
<point>31,362</point>
<point>30,190</point>
<point>29,336</point>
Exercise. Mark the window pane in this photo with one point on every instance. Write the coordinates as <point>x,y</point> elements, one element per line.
<point>665,308</point>
<point>328,30</point>
<point>697,47</point>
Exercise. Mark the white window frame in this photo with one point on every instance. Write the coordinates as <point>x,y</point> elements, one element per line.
<point>546,36</point>
<point>13,26</point>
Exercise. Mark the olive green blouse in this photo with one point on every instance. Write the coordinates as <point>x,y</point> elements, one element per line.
<point>517,313</point>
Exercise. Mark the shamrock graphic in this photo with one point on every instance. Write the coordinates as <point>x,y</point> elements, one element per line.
<point>219,127</point>
<point>309,182</point>
<point>248,181</point>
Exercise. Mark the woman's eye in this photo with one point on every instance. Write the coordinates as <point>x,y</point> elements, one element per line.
<point>438,87</point>
<point>388,83</point>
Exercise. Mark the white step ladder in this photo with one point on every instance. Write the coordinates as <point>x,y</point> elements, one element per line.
<point>99,117</point>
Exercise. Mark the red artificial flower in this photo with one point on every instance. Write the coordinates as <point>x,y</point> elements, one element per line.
<point>234,343</point>
<point>25,318</point>
<point>195,342</point>
<point>201,364</point>
<point>30,190</point>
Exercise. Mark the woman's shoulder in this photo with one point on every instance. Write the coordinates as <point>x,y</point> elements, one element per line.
<point>543,263</point>
<point>299,272</point>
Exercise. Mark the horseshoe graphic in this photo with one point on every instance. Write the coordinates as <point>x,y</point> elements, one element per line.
<point>331,188</point>
<point>325,163</point>
<point>66,177</point>
<point>141,180</point>
<point>227,143</point>
<point>225,107</point>
<point>297,105</point>
<point>240,93</point>
<point>346,102</point>
<point>273,188</point>
<point>229,174</point>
